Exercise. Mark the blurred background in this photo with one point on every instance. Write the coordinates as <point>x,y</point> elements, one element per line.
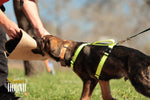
<point>93,20</point>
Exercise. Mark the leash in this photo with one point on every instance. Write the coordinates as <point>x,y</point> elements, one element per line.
<point>110,43</point>
<point>129,38</point>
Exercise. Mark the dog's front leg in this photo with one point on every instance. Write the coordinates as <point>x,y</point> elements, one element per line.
<point>105,89</point>
<point>88,87</point>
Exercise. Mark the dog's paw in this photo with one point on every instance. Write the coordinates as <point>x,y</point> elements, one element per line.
<point>38,51</point>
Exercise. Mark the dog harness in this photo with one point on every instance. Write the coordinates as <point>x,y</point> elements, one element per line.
<point>110,43</point>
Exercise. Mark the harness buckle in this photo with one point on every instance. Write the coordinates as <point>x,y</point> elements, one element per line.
<point>108,50</point>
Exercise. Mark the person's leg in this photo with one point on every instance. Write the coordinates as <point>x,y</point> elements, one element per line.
<point>3,60</point>
<point>4,94</point>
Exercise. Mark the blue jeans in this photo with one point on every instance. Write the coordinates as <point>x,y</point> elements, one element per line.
<point>3,59</point>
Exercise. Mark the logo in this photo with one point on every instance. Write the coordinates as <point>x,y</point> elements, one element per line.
<point>18,85</point>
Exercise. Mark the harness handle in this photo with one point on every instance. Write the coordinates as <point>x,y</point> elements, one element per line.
<point>104,43</point>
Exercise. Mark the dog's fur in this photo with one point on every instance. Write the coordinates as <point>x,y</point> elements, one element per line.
<point>122,62</point>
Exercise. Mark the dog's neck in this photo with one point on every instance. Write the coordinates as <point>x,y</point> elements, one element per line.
<point>67,51</point>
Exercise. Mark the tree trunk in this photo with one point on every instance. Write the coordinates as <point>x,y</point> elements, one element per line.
<point>31,67</point>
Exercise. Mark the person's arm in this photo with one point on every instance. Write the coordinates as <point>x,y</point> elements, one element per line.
<point>31,11</point>
<point>9,26</point>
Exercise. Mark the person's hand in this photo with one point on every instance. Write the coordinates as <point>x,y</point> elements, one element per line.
<point>9,26</point>
<point>31,11</point>
<point>41,31</point>
<point>11,29</point>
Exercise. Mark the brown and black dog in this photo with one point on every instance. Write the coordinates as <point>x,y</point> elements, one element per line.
<point>122,62</point>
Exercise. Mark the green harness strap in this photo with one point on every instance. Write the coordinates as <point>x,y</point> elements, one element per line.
<point>77,53</point>
<point>110,43</point>
<point>103,59</point>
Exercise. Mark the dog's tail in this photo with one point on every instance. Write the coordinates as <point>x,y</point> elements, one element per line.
<point>141,80</point>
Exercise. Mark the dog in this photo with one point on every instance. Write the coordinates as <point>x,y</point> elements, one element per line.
<point>122,62</point>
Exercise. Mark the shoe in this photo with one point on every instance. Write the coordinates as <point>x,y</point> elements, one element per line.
<point>5,95</point>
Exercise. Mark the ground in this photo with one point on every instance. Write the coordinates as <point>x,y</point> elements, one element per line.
<point>66,85</point>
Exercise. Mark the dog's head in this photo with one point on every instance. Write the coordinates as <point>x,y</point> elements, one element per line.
<point>49,44</point>
<point>53,45</point>
<point>56,48</point>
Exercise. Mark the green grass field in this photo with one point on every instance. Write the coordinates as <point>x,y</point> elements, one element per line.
<point>66,85</point>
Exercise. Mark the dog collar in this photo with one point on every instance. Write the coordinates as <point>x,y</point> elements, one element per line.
<point>110,43</point>
<point>62,54</point>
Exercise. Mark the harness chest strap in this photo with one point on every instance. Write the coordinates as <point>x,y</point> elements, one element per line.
<point>77,53</point>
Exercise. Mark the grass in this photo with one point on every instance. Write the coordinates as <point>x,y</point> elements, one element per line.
<point>66,85</point>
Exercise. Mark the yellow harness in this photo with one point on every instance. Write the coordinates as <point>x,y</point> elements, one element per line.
<point>110,43</point>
